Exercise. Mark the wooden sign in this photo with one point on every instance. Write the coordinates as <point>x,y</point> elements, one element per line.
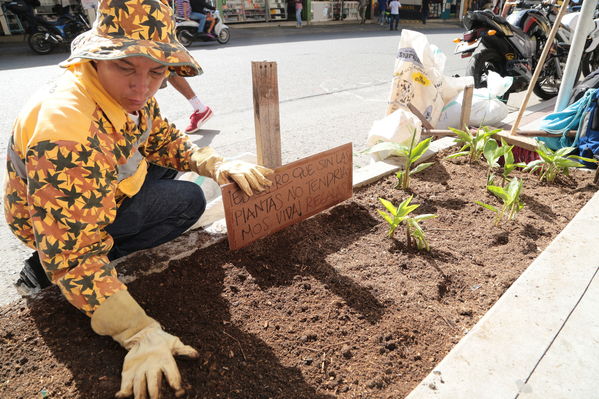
<point>300,189</point>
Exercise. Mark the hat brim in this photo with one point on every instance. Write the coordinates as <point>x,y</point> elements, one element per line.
<point>92,46</point>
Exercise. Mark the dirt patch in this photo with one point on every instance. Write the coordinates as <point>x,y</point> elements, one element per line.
<point>329,308</point>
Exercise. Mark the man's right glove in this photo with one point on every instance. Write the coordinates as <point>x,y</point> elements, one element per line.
<point>248,176</point>
<point>151,349</point>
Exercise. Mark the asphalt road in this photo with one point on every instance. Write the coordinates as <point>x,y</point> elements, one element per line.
<point>333,83</point>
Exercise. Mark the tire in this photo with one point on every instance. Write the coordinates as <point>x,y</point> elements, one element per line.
<point>185,36</point>
<point>482,62</point>
<point>550,79</point>
<point>590,62</point>
<point>224,36</point>
<point>39,44</point>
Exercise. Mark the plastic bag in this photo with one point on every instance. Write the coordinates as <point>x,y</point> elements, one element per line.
<point>397,127</point>
<point>487,108</point>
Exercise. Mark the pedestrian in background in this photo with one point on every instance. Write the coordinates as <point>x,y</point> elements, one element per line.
<point>424,10</point>
<point>362,7</point>
<point>298,13</point>
<point>394,7</point>
<point>382,12</point>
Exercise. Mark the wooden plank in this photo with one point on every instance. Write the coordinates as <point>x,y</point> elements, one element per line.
<point>466,107</point>
<point>425,123</point>
<point>266,113</point>
<point>300,189</point>
<point>528,143</point>
<point>540,65</point>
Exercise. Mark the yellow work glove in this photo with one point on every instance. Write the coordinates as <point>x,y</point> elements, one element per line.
<point>151,349</point>
<point>248,176</point>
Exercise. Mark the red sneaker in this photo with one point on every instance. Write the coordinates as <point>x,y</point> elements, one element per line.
<point>197,119</point>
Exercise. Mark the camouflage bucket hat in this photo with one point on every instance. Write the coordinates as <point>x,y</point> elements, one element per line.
<point>127,28</point>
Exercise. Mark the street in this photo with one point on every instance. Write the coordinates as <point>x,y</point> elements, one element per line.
<point>333,83</point>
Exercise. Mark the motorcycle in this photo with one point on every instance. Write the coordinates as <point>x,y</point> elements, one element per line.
<point>503,47</point>
<point>590,56</point>
<point>44,35</point>
<point>187,30</point>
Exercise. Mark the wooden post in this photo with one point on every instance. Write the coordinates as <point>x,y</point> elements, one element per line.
<point>540,65</point>
<point>466,107</point>
<point>266,113</point>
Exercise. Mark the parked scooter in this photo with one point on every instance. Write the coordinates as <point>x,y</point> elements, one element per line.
<point>497,45</point>
<point>590,56</point>
<point>187,30</point>
<point>45,35</point>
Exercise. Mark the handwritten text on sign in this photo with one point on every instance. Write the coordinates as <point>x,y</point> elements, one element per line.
<point>299,190</point>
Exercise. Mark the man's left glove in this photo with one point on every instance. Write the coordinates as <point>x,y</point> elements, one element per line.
<point>151,349</point>
<point>248,176</point>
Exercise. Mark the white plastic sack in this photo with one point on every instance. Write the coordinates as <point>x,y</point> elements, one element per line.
<point>418,77</point>
<point>487,108</point>
<point>212,192</point>
<point>396,127</point>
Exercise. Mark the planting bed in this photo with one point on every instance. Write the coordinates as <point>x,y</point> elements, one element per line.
<point>328,308</point>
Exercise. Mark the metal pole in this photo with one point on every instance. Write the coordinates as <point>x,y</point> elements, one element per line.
<point>584,26</point>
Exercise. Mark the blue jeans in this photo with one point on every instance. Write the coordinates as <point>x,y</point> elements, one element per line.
<point>162,210</point>
<point>201,18</point>
<point>394,22</point>
<point>298,17</point>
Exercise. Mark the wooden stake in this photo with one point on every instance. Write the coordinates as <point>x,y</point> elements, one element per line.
<point>540,65</point>
<point>466,107</point>
<point>266,113</point>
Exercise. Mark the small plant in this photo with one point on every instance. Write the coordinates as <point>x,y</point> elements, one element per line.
<point>474,145</point>
<point>510,196</point>
<point>508,162</point>
<point>555,163</point>
<point>399,215</point>
<point>493,153</point>
<point>410,154</point>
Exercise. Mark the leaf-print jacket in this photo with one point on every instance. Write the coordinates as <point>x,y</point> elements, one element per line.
<point>73,156</point>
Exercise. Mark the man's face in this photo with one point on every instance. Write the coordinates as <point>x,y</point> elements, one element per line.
<point>131,81</point>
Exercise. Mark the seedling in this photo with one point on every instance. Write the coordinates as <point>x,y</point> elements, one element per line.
<point>510,196</point>
<point>555,163</point>
<point>399,215</point>
<point>508,162</point>
<point>474,145</point>
<point>492,153</point>
<point>410,155</point>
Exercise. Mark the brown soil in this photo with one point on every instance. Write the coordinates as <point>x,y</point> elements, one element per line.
<point>327,308</point>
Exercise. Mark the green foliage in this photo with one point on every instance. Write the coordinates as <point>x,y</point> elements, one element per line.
<point>473,145</point>
<point>510,196</point>
<point>410,155</point>
<point>493,152</point>
<point>554,163</point>
<point>400,214</point>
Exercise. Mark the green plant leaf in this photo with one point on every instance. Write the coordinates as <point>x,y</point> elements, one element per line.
<point>420,149</point>
<point>389,206</point>
<point>420,167</point>
<point>490,207</point>
<point>395,148</point>
<point>386,216</point>
<point>424,216</point>
<point>498,191</point>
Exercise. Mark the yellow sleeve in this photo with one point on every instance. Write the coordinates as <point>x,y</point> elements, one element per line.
<point>71,190</point>
<point>167,146</point>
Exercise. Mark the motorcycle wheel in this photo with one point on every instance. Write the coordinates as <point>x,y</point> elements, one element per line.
<point>185,37</point>
<point>550,79</point>
<point>39,44</point>
<point>482,62</point>
<point>590,62</point>
<point>224,36</point>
